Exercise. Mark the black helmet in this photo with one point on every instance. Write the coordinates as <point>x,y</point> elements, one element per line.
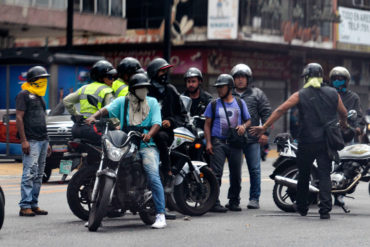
<point>36,72</point>
<point>156,65</point>
<point>193,72</point>
<point>128,66</point>
<point>224,79</point>
<point>102,69</point>
<point>312,70</point>
<point>241,69</point>
<point>138,80</point>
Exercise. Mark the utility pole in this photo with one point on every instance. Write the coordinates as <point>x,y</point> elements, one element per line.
<point>167,30</point>
<point>69,43</point>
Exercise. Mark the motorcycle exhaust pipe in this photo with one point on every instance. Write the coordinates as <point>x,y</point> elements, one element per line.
<point>292,183</point>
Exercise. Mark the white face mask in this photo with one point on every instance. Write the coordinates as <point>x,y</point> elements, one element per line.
<point>141,93</point>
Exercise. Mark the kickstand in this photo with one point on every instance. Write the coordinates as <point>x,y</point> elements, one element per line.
<point>345,209</point>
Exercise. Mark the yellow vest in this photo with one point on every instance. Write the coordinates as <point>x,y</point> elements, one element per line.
<point>99,90</point>
<point>120,88</point>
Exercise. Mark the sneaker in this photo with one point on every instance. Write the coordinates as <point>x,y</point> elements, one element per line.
<point>233,207</point>
<point>160,222</point>
<point>218,209</point>
<point>325,216</point>
<point>39,211</point>
<point>26,212</point>
<point>253,204</point>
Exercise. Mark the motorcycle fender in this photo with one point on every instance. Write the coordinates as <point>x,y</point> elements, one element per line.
<point>185,170</point>
<point>281,164</point>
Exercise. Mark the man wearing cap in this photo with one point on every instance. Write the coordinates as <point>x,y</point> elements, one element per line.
<point>31,125</point>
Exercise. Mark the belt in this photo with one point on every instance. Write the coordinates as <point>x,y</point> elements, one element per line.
<point>220,140</point>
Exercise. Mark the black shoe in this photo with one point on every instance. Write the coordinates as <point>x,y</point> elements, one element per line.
<point>302,212</point>
<point>218,209</point>
<point>325,216</point>
<point>233,207</point>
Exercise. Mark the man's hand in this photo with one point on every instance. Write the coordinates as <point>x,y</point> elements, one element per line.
<point>263,139</point>
<point>166,124</point>
<point>49,151</point>
<point>146,137</point>
<point>209,148</point>
<point>26,147</point>
<point>90,120</point>
<point>257,130</point>
<point>358,131</point>
<point>240,129</point>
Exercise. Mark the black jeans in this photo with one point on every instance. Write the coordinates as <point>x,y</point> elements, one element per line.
<point>234,156</point>
<point>163,140</point>
<point>307,153</point>
<point>88,132</point>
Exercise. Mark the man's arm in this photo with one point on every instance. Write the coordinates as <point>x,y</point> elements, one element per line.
<point>102,112</point>
<point>207,135</point>
<point>152,132</point>
<point>69,102</point>
<point>20,127</point>
<point>281,110</point>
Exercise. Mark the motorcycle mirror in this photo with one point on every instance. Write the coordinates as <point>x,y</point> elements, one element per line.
<point>352,115</point>
<point>186,101</point>
<point>92,100</point>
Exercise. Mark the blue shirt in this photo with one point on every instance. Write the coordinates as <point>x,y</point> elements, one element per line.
<point>116,110</point>
<point>220,126</point>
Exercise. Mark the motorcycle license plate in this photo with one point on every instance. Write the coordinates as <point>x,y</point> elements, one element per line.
<point>65,166</point>
<point>59,148</point>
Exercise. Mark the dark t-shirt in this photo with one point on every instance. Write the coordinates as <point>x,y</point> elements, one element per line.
<point>34,118</point>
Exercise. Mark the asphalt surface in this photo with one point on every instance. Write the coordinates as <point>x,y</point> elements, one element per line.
<point>267,226</point>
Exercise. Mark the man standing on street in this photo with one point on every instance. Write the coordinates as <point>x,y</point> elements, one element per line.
<point>31,126</point>
<point>259,109</point>
<point>311,137</point>
<point>222,115</point>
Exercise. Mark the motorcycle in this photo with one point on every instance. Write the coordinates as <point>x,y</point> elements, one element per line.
<point>2,207</point>
<point>367,128</point>
<point>353,167</point>
<point>195,187</point>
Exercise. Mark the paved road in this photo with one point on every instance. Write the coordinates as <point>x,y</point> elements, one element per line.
<point>265,227</point>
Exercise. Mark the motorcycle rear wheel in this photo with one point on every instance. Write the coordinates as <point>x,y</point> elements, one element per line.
<point>100,206</point>
<point>187,194</point>
<point>283,196</point>
<point>2,206</point>
<point>79,192</point>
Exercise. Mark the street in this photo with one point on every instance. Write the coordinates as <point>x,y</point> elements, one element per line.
<point>267,226</point>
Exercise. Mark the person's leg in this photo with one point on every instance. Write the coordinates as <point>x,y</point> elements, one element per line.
<point>217,161</point>
<point>253,159</point>
<point>235,159</point>
<point>305,158</point>
<point>43,147</point>
<point>324,169</point>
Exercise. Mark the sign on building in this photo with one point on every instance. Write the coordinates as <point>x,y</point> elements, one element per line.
<point>222,19</point>
<point>354,27</point>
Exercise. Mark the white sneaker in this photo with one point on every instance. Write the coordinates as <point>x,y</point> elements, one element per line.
<point>160,221</point>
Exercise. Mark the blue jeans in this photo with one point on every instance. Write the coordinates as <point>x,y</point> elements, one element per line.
<point>252,154</point>
<point>150,157</point>
<point>33,170</point>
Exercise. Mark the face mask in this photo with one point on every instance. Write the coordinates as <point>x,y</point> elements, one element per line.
<point>340,85</point>
<point>158,86</point>
<point>162,79</point>
<point>37,87</point>
<point>141,93</point>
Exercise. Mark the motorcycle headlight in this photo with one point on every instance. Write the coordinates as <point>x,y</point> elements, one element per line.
<point>368,126</point>
<point>115,154</point>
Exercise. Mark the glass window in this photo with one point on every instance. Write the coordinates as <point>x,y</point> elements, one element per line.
<point>59,4</point>
<point>103,7</point>
<point>88,6</point>
<point>42,3</point>
<point>116,7</point>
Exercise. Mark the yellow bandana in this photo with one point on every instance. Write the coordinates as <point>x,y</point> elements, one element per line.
<point>37,87</point>
<point>313,82</point>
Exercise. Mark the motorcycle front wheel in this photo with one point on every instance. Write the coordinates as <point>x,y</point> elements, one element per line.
<point>148,214</point>
<point>100,206</point>
<point>195,199</point>
<point>79,192</point>
<point>2,206</point>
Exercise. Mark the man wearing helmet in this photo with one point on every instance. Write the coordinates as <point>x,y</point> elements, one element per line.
<point>222,115</point>
<point>199,98</point>
<point>102,74</point>
<point>137,110</point>
<point>125,69</point>
<point>311,137</point>
<point>172,110</point>
<point>339,79</point>
<point>31,126</point>
<point>259,108</point>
